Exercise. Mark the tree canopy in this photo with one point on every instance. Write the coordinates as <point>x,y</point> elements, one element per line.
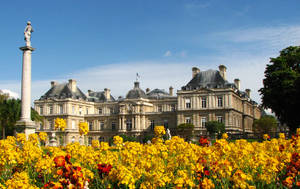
<point>281,90</point>
<point>215,127</point>
<point>10,112</point>
<point>265,125</point>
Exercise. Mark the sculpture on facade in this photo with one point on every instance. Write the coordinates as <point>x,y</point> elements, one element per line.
<point>27,33</point>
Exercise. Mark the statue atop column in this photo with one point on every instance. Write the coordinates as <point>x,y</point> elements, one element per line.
<point>27,33</point>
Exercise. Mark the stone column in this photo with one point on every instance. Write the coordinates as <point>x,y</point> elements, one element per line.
<point>25,124</point>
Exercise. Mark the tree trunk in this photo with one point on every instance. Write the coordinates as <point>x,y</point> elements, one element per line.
<point>3,132</point>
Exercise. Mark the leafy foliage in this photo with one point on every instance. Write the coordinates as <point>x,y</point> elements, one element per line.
<point>215,127</point>
<point>185,130</point>
<point>10,112</point>
<point>265,124</point>
<point>281,89</point>
<point>185,127</point>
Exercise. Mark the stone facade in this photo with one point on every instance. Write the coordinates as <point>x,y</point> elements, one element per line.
<point>208,96</point>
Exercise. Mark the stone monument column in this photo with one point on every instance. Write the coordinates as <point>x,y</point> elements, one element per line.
<point>25,125</point>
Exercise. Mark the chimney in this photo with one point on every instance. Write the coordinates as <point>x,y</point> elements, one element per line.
<point>89,92</point>
<point>136,84</point>
<point>107,93</point>
<point>53,83</point>
<point>72,85</point>
<point>248,92</point>
<point>171,91</point>
<point>195,71</point>
<point>237,83</point>
<point>147,90</point>
<point>222,70</point>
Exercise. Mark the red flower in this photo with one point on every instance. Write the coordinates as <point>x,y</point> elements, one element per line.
<point>104,169</point>
<point>203,141</point>
<point>59,161</point>
<point>68,158</point>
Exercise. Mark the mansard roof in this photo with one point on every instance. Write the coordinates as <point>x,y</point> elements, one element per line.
<point>62,91</point>
<point>207,79</point>
<point>136,92</point>
<point>158,93</point>
<point>99,97</point>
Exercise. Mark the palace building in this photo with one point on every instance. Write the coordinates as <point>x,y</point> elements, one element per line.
<point>208,96</point>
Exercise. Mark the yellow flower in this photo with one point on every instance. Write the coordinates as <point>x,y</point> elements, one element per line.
<point>207,184</point>
<point>60,124</point>
<point>43,136</point>
<point>281,136</point>
<point>159,131</point>
<point>83,128</point>
<point>118,141</point>
<point>95,144</point>
<point>224,136</point>
<point>266,137</point>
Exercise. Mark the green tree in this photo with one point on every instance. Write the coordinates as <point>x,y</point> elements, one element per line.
<point>10,113</point>
<point>265,125</point>
<point>186,130</point>
<point>281,88</point>
<point>215,127</point>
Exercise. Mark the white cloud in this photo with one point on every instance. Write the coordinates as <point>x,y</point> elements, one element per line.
<point>275,37</point>
<point>168,53</point>
<point>119,77</point>
<point>11,93</point>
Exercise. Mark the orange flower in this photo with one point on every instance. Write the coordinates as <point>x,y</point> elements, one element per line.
<point>59,161</point>
<point>56,185</point>
<point>59,172</point>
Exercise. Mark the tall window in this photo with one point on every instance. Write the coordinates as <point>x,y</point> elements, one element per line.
<point>80,110</point>
<point>50,109</point>
<point>87,110</point>
<point>90,125</point>
<point>203,101</point>
<point>50,124</point>
<point>166,124</point>
<point>41,127</point>
<point>203,121</point>
<point>159,108</point>
<point>100,110</point>
<point>41,110</point>
<point>129,125</point>
<point>220,119</point>
<point>90,141</point>
<point>188,103</point>
<point>172,107</point>
<point>61,109</point>
<point>188,120</point>
<point>73,109</point>
<point>152,124</point>
<point>113,126</point>
<point>111,110</point>
<point>73,124</point>
<point>101,126</point>
<point>220,101</point>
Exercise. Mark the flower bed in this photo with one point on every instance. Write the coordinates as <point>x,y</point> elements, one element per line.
<point>274,163</point>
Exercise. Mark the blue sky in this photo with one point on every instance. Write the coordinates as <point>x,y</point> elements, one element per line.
<point>102,44</point>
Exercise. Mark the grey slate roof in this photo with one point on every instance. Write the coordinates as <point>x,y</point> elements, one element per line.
<point>136,92</point>
<point>207,79</point>
<point>62,91</point>
<point>158,93</point>
<point>99,97</point>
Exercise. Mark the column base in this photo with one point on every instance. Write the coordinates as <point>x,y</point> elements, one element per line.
<point>26,127</point>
